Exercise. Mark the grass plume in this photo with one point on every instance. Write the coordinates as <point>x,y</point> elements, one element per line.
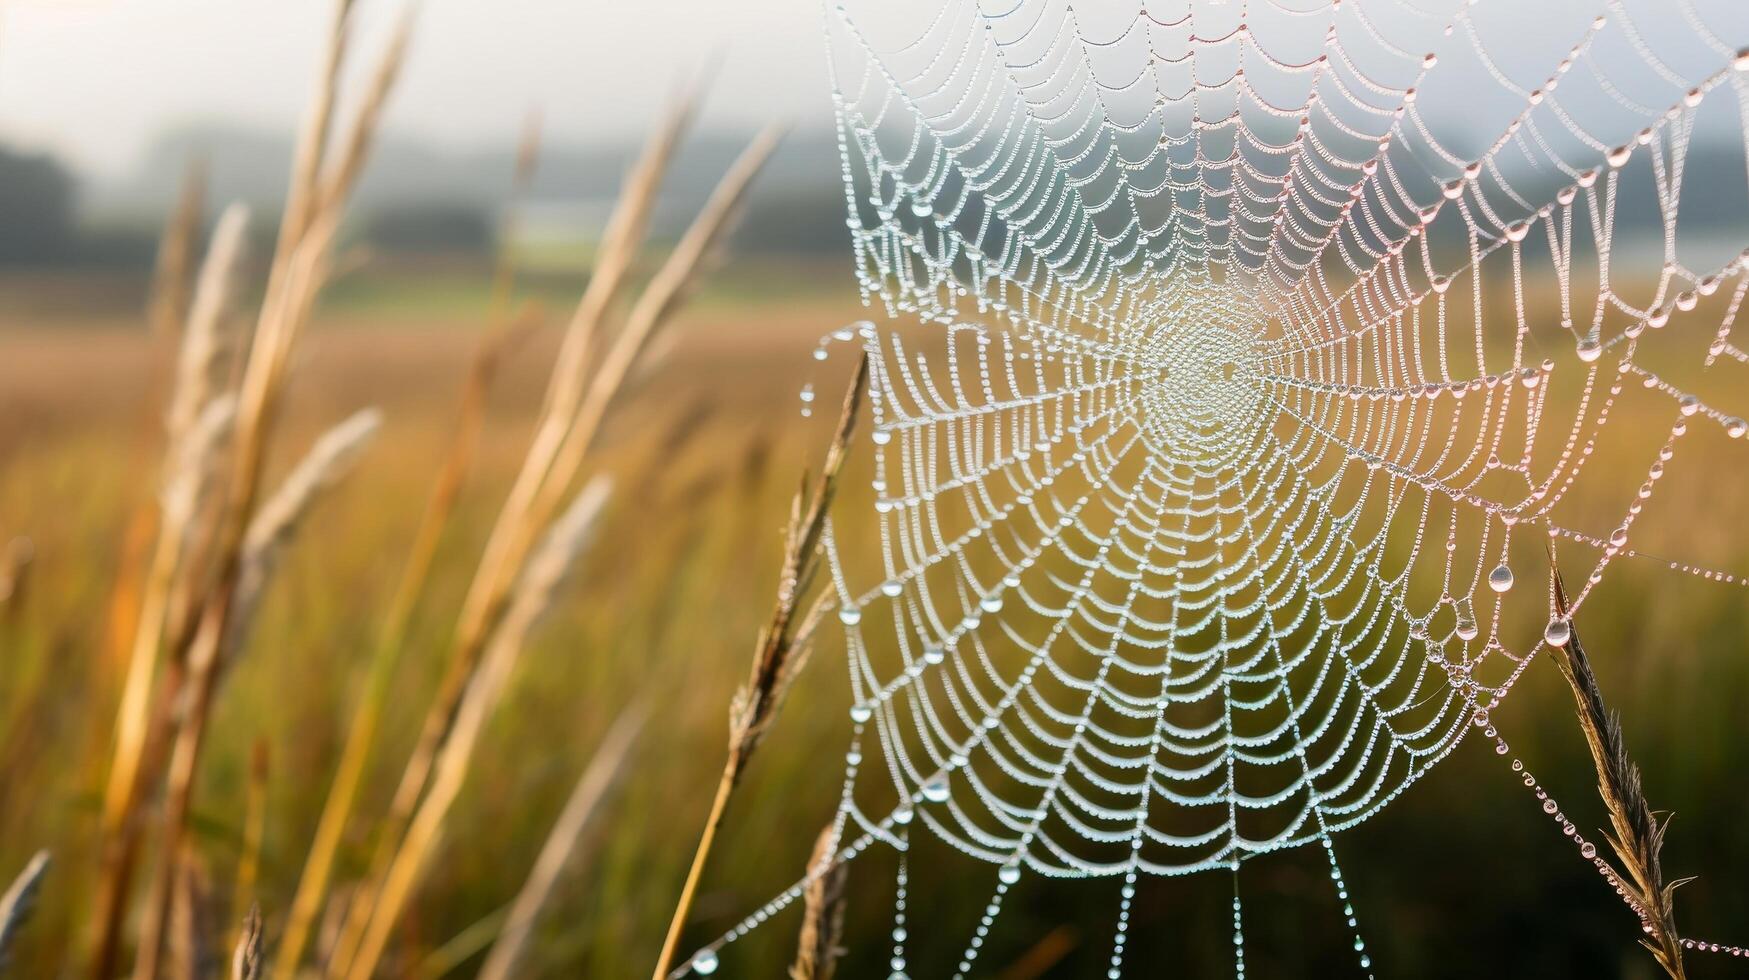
<point>822,936</point>
<point>1636,832</point>
<point>246,957</point>
<point>235,543</point>
<point>782,649</point>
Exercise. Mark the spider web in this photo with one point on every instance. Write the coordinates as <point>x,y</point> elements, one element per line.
<point>1244,364</point>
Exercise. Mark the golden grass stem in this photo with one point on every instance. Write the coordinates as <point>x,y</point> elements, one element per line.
<point>328,460</point>
<point>197,421</point>
<point>575,405</point>
<point>713,821</point>
<point>592,787</point>
<point>620,241</point>
<point>300,266</point>
<point>533,595</point>
<point>502,334</point>
<point>782,650</point>
<point>1637,834</point>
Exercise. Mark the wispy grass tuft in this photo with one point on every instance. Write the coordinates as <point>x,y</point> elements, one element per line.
<point>822,936</point>
<point>1637,833</point>
<point>246,958</point>
<point>784,645</point>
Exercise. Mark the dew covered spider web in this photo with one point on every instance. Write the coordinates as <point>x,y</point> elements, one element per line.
<point>1242,366</point>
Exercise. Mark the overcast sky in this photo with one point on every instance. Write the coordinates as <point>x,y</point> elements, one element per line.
<point>94,80</point>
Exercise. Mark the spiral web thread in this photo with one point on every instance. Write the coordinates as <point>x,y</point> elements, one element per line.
<point>1258,350</point>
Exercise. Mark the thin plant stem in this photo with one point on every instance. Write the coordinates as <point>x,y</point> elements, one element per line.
<point>501,334</point>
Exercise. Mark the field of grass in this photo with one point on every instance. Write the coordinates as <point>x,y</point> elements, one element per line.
<point>1463,876</point>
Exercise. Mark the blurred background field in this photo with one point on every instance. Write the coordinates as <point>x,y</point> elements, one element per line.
<point>1464,876</point>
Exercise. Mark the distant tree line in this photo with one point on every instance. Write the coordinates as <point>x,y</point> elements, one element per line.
<point>41,224</point>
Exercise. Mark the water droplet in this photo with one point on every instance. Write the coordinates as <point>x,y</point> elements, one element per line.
<point>1558,633</point>
<point>850,615</point>
<point>1466,629</point>
<point>1589,350</point>
<point>1500,579</point>
<point>902,816</point>
<point>860,713</point>
<point>991,603</point>
<point>705,963</point>
<point>1735,428</point>
<point>935,791</point>
<point>892,587</point>
<point>1009,874</point>
<point>1587,850</point>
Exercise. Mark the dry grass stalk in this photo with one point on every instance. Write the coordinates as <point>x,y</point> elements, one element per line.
<point>300,267</point>
<point>199,422</point>
<point>620,242</point>
<point>214,647</point>
<point>784,644</point>
<point>1637,834</point>
<point>17,902</point>
<point>598,777</point>
<point>503,334</point>
<point>575,405</point>
<point>200,358</point>
<point>534,592</point>
<point>822,936</point>
<point>246,956</point>
<point>168,305</point>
